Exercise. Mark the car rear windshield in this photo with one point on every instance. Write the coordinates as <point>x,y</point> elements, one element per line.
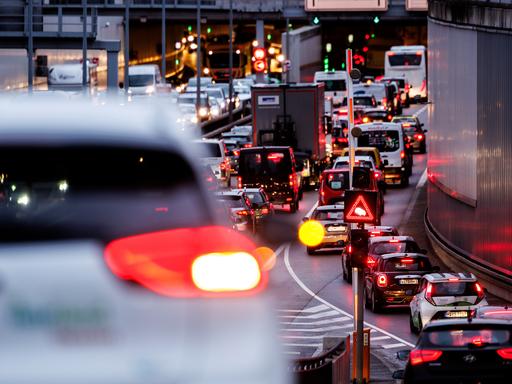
<point>404,59</point>
<point>384,141</point>
<point>208,149</point>
<point>94,192</point>
<point>469,337</point>
<point>365,101</point>
<point>265,163</point>
<point>333,85</point>
<point>338,181</point>
<point>140,80</point>
<point>231,201</point>
<point>399,264</point>
<point>392,247</point>
<point>454,288</point>
<point>256,197</point>
<point>361,163</point>
<point>328,215</point>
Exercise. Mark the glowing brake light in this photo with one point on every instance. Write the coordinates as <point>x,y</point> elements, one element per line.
<point>384,101</point>
<point>239,182</point>
<point>452,279</point>
<point>275,157</point>
<point>375,233</point>
<point>480,292</point>
<point>391,53</point>
<point>242,213</point>
<point>382,281</point>
<point>505,353</point>
<point>247,145</point>
<point>402,155</point>
<point>394,241</point>
<point>265,211</point>
<point>365,119</point>
<point>370,262</point>
<point>188,262</point>
<point>407,260</point>
<point>428,294</point>
<point>349,249</point>
<point>418,136</point>
<point>406,125</point>
<point>421,356</point>
<point>376,175</point>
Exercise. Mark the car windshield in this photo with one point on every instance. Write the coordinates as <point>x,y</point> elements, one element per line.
<point>403,264</point>
<point>140,80</point>
<point>328,215</point>
<point>454,288</point>
<point>394,247</point>
<point>384,141</point>
<point>468,337</point>
<point>93,192</point>
<point>377,90</point>
<point>208,149</point>
<point>216,93</point>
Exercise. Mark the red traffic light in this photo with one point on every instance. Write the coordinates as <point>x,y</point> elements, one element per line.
<point>259,65</point>
<point>259,53</point>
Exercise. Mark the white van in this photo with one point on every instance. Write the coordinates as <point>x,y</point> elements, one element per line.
<point>143,79</point>
<point>69,76</point>
<point>388,138</point>
<point>409,61</point>
<point>335,85</point>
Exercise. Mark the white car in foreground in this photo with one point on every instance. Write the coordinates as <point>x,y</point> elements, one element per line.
<point>445,296</point>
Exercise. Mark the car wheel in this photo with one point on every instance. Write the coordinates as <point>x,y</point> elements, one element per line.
<point>366,299</point>
<point>413,328</point>
<point>310,250</point>
<point>420,324</point>
<point>343,270</point>
<point>375,306</point>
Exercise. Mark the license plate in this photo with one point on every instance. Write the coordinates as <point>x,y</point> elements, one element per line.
<point>453,314</point>
<point>408,281</point>
<point>336,229</point>
<point>335,184</point>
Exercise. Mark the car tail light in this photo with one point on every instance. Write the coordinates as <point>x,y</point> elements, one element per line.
<point>223,166</point>
<point>505,353</point>
<point>275,157</point>
<point>189,262</point>
<point>390,117</point>
<point>382,281</point>
<point>376,175</point>
<point>349,249</point>
<point>375,233</point>
<point>453,279</point>
<point>236,153</point>
<point>239,182</point>
<point>384,101</point>
<point>402,154</point>
<point>292,180</point>
<point>428,294</point>
<point>370,262</point>
<point>407,260</point>
<point>265,211</point>
<point>421,356</point>
<point>394,241</point>
<point>480,292</point>
<point>247,145</point>
<point>242,213</point>
<point>418,136</point>
<point>406,125</point>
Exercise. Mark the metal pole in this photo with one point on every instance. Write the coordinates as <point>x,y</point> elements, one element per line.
<point>230,61</point>
<point>350,105</point>
<point>287,53</point>
<point>84,44</point>
<point>164,42</point>
<point>198,56</point>
<point>30,48</point>
<point>260,31</point>
<point>358,287</point>
<point>126,43</point>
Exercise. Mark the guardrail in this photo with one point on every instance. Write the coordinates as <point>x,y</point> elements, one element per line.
<point>215,127</point>
<point>333,366</point>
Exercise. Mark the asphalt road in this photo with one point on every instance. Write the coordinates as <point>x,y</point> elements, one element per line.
<point>313,301</point>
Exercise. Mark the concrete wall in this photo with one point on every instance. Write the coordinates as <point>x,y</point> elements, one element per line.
<point>470,154</point>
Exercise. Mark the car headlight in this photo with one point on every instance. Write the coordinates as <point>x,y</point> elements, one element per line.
<point>203,112</point>
<point>215,111</point>
<point>223,104</point>
<point>194,119</point>
<point>150,89</point>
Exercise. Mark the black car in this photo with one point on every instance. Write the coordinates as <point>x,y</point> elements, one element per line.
<point>394,278</point>
<point>241,213</point>
<point>413,129</point>
<point>273,169</point>
<point>460,351</point>
<point>376,115</point>
<point>260,203</point>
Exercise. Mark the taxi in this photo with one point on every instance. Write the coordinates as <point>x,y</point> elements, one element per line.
<point>336,231</point>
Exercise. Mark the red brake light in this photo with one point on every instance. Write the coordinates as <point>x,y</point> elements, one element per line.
<point>394,241</point>
<point>477,341</point>
<point>390,117</point>
<point>375,233</point>
<point>428,294</point>
<point>265,211</point>
<point>505,353</point>
<point>330,177</point>
<point>376,175</point>
<point>182,270</point>
<point>402,155</point>
<point>421,356</point>
<point>239,182</point>
<point>384,100</point>
<point>382,281</point>
<point>236,153</point>
<point>370,262</point>
<point>480,291</point>
<point>407,260</point>
<point>247,145</point>
<point>452,279</point>
<point>418,136</point>
<point>276,157</point>
<point>406,125</point>
<point>349,249</point>
<point>242,213</point>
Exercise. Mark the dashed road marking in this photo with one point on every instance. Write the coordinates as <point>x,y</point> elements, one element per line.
<point>320,322</point>
<point>314,316</point>
<point>390,346</point>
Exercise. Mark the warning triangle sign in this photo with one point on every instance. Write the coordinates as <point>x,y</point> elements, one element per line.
<point>360,211</point>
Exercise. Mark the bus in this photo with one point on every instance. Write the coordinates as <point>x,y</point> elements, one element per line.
<point>409,61</point>
<point>335,85</point>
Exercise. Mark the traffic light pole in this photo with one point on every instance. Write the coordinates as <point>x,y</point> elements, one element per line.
<point>357,273</point>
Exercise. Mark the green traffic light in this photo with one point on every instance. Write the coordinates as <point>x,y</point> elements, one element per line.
<point>373,36</point>
<point>326,61</point>
<point>269,37</point>
<point>342,65</point>
<point>376,19</point>
<point>208,30</point>
<point>316,20</point>
<point>189,28</point>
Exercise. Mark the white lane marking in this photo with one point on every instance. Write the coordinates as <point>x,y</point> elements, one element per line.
<point>320,322</point>
<point>325,329</point>
<point>312,209</point>
<point>313,316</point>
<point>304,337</point>
<point>303,345</point>
<point>414,198</point>
<point>279,250</point>
<point>379,338</point>
<point>291,353</point>
<point>420,111</point>
<point>390,346</point>
<point>312,294</point>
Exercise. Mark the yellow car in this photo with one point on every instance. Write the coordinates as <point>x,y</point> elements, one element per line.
<point>336,231</point>
<point>367,151</point>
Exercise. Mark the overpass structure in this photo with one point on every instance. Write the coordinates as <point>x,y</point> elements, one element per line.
<point>469,217</point>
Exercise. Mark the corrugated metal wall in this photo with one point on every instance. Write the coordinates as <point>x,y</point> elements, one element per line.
<point>470,84</point>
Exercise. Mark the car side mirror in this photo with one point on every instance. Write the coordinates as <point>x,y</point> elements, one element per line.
<point>424,251</point>
<point>403,355</point>
<point>425,130</point>
<point>399,374</point>
<point>386,162</point>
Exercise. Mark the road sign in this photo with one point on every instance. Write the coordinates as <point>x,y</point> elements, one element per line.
<point>361,207</point>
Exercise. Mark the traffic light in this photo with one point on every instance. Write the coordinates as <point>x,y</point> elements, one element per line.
<point>259,59</point>
<point>269,36</point>
<point>367,37</point>
<point>373,36</point>
<point>376,19</point>
<point>326,64</point>
<point>361,207</point>
<point>189,28</point>
<point>358,247</point>
<point>316,20</point>
<point>209,30</point>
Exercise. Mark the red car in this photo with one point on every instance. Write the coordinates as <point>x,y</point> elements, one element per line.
<point>334,182</point>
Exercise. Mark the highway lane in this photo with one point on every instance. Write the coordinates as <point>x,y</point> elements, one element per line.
<point>312,300</point>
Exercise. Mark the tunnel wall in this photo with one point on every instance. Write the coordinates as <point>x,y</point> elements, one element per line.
<point>470,154</point>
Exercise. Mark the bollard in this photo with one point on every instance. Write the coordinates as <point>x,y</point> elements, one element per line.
<point>366,356</point>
